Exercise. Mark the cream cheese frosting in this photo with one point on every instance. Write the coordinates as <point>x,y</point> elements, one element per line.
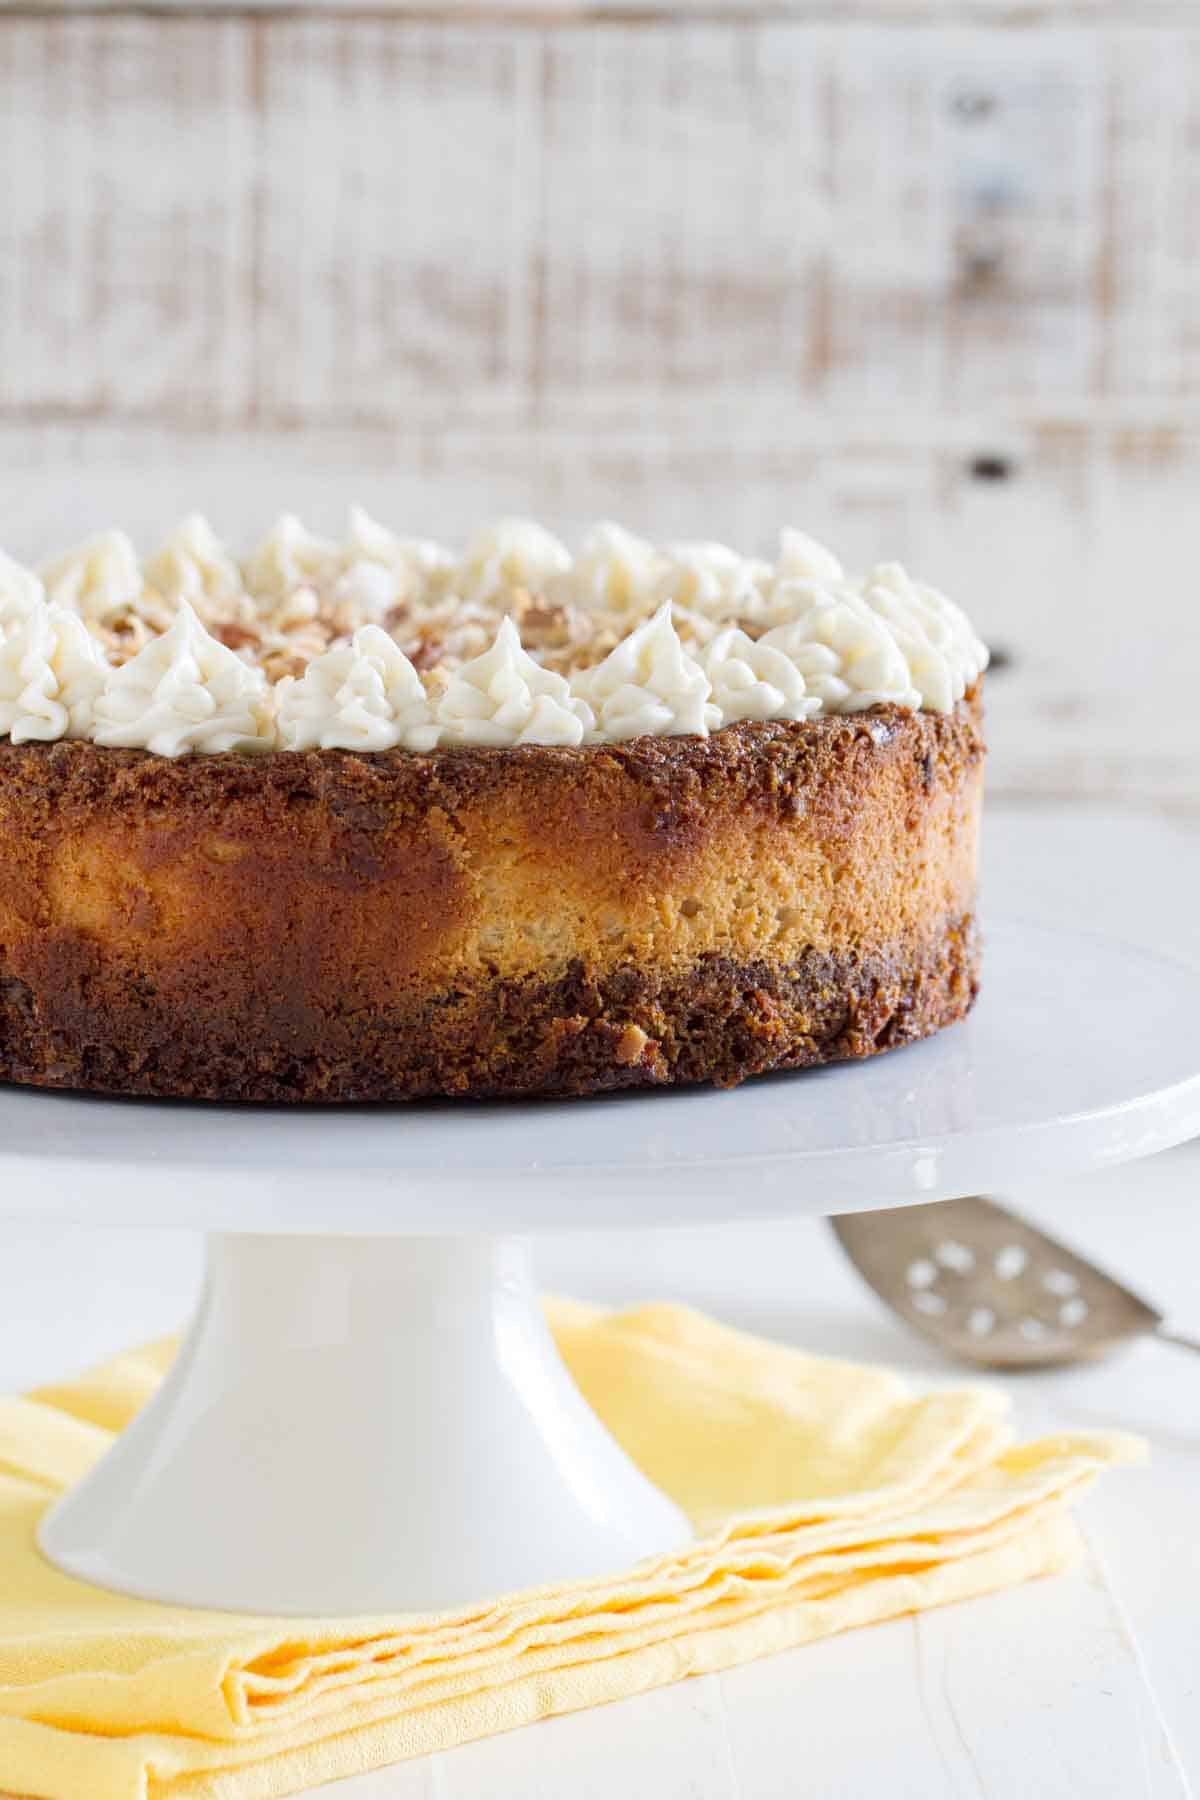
<point>649,686</point>
<point>51,675</point>
<point>193,565</point>
<point>290,557</point>
<point>615,571</point>
<point>377,641</point>
<point>513,553</point>
<point>185,691</point>
<point>844,651</point>
<point>753,680</point>
<point>933,635</point>
<point>801,558</point>
<point>380,570</point>
<point>97,578</point>
<point>504,697</point>
<point>20,592</point>
<point>364,696</point>
<point>714,581</point>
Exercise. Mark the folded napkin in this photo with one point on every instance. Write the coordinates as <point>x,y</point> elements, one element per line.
<point>824,1495</point>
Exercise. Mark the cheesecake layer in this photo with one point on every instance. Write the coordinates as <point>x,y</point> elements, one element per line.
<point>333,926</point>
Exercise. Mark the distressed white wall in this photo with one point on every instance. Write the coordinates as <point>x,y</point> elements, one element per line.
<point>705,273</point>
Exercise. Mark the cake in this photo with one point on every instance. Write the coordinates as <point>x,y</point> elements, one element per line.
<point>364,821</point>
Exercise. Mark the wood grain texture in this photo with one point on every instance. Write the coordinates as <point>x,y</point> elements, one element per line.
<point>1017,15</point>
<point>702,273</point>
<point>295,221</point>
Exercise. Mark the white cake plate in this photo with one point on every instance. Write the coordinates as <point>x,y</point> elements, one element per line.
<point>368,1414</point>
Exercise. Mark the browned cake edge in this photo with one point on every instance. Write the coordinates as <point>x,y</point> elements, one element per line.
<point>191,975</point>
<point>721,1021</point>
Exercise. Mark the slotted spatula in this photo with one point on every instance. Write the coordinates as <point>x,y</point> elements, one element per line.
<point>993,1289</point>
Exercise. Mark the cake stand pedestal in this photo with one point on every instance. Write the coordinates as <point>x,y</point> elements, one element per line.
<point>368,1413</point>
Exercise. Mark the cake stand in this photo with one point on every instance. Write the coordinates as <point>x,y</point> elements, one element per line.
<point>368,1413</point>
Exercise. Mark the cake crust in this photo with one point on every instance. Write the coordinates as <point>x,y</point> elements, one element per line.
<point>332,926</point>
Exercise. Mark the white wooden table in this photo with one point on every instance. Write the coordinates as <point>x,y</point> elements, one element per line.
<point>1083,1688</point>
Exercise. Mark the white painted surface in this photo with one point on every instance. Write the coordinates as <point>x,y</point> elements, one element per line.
<point>1084,1688</point>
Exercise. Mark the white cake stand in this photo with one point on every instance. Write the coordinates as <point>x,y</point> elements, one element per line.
<point>368,1413</point>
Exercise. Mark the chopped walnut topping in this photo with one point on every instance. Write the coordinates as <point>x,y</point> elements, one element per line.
<point>423,653</point>
<point>631,1044</point>
<point>235,636</point>
<point>319,594</point>
<point>550,631</point>
<point>277,664</point>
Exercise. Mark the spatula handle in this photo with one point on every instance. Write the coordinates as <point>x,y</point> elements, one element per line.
<point>1179,1338</point>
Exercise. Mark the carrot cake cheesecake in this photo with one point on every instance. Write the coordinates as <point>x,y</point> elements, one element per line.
<point>368,820</point>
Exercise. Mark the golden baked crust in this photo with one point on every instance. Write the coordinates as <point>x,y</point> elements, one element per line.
<point>333,926</point>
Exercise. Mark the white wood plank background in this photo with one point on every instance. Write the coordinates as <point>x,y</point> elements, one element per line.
<point>926,281</point>
<point>288,221</point>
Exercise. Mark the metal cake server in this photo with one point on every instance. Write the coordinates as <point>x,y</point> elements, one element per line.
<point>993,1289</point>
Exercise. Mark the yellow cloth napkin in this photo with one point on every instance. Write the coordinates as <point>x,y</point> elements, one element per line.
<point>824,1495</point>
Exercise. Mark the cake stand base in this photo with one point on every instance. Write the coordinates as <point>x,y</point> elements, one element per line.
<point>361,1425</point>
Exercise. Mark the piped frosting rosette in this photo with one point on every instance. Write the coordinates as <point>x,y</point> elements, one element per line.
<point>380,641</point>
